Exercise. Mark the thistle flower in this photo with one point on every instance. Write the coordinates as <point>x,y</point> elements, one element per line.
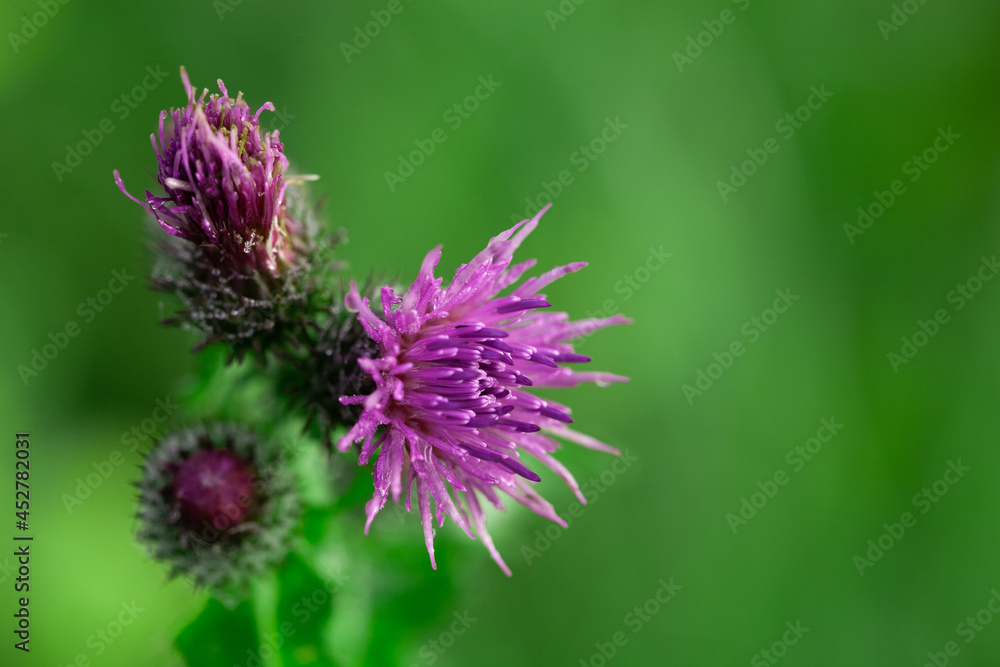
<point>450,413</point>
<point>217,505</point>
<point>225,183</point>
<point>241,246</point>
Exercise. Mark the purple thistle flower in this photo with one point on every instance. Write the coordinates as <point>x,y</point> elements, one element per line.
<point>244,254</point>
<point>225,184</point>
<point>450,410</point>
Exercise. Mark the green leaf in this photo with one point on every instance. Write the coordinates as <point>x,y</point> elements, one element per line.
<point>219,636</point>
<point>315,524</point>
<point>304,604</point>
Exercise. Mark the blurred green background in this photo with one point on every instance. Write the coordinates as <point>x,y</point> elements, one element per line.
<point>696,90</point>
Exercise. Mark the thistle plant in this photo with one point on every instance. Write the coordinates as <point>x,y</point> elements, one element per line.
<point>431,386</point>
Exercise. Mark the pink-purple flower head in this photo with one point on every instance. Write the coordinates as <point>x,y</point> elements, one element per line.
<point>451,412</point>
<point>225,183</point>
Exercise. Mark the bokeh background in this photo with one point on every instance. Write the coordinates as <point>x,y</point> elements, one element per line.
<point>687,115</point>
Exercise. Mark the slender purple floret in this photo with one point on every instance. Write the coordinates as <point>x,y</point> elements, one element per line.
<point>450,410</point>
<point>225,183</point>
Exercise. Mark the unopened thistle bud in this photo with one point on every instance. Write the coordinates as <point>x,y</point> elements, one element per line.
<point>217,505</point>
<point>325,367</point>
<point>242,249</point>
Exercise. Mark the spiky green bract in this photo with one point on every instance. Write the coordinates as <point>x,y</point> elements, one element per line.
<point>221,555</point>
<point>323,366</point>
<point>249,313</point>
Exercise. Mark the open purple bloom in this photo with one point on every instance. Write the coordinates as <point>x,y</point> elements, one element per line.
<point>450,409</point>
<point>225,183</point>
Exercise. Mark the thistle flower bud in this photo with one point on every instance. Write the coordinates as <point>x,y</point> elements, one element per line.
<point>325,367</point>
<point>225,184</point>
<point>241,251</point>
<point>217,505</point>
